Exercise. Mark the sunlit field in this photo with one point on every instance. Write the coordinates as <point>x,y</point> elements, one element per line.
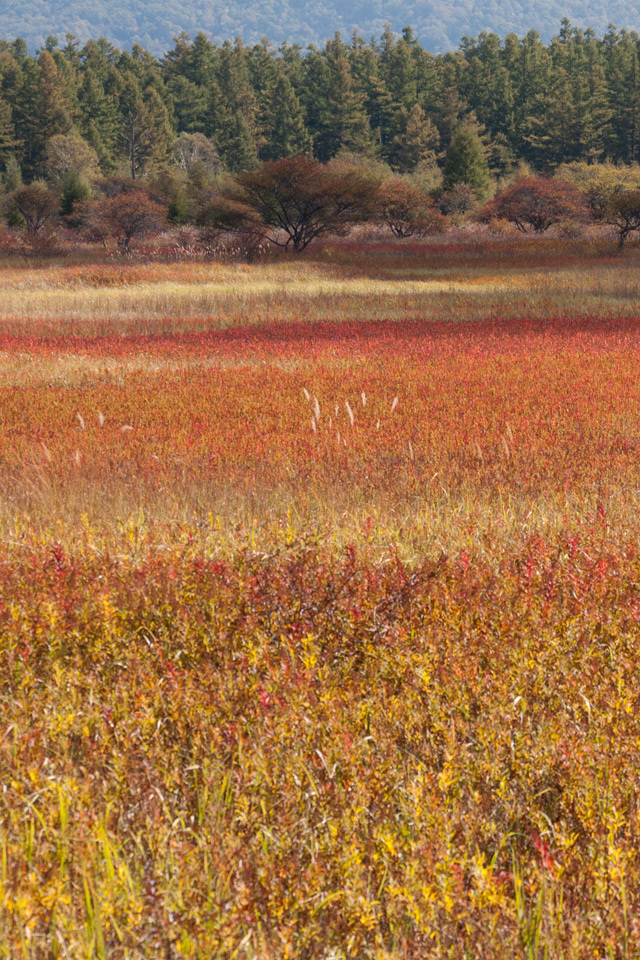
<point>320,604</point>
<point>365,281</point>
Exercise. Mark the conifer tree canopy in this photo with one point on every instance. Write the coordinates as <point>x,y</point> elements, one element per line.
<point>466,163</point>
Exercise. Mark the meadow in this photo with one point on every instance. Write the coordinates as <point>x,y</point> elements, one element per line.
<point>319,603</point>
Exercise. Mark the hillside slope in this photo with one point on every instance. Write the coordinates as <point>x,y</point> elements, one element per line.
<point>439,25</point>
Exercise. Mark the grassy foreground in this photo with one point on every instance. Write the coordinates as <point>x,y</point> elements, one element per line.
<point>320,606</point>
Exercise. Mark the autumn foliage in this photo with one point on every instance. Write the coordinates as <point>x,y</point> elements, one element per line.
<point>37,205</point>
<point>301,199</point>
<point>319,616</point>
<point>536,203</point>
<point>124,214</point>
<point>406,211</point>
<point>622,212</point>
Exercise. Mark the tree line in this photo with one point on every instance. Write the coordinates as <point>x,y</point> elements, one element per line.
<point>293,201</point>
<point>242,139</point>
<point>576,98</point>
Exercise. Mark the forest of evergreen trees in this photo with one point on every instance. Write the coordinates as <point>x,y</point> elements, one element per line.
<point>576,98</point>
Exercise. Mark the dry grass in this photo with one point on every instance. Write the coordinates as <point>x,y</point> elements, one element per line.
<point>424,281</point>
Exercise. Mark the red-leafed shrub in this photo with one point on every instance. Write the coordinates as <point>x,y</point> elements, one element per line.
<point>536,203</point>
<point>406,211</point>
<point>124,216</point>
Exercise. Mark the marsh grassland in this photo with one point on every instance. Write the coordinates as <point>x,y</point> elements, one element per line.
<point>320,605</point>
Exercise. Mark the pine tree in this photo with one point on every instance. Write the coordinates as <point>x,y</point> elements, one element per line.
<point>314,94</point>
<point>428,80</point>
<point>385,50</point>
<point>291,56</point>
<point>145,133</point>
<point>487,86</point>
<point>288,134</point>
<point>75,189</point>
<point>25,107</point>
<point>238,143</point>
<point>156,117</point>
<point>378,102</point>
<point>232,111</point>
<point>549,130</point>
<point>12,178</point>
<point>8,142</point>
<point>69,80</point>
<point>100,58</point>
<point>177,60</point>
<point>133,135</point>
<point>596,126</point>
<point>189,104</point>
<point>263,77</point>
<point>99,120</point>
<point>71,50</point>
<point>466,163</point>
<point>382,114</point>
<point>400,74</point>
<point>624,81</point>
<point>533,73</point>
<point>53,114</point>
<point>142,65</point>
<point>39,110</point>
<point>451,108</point>
<point>202,61</point>
<point>347,124</point>
<point>418,143</point>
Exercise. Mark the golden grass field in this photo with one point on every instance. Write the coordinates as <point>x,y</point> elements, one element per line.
<point>350,281</point>
<point>320,604</point>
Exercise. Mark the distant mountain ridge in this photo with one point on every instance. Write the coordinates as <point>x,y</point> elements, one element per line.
<point>438,25</point>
